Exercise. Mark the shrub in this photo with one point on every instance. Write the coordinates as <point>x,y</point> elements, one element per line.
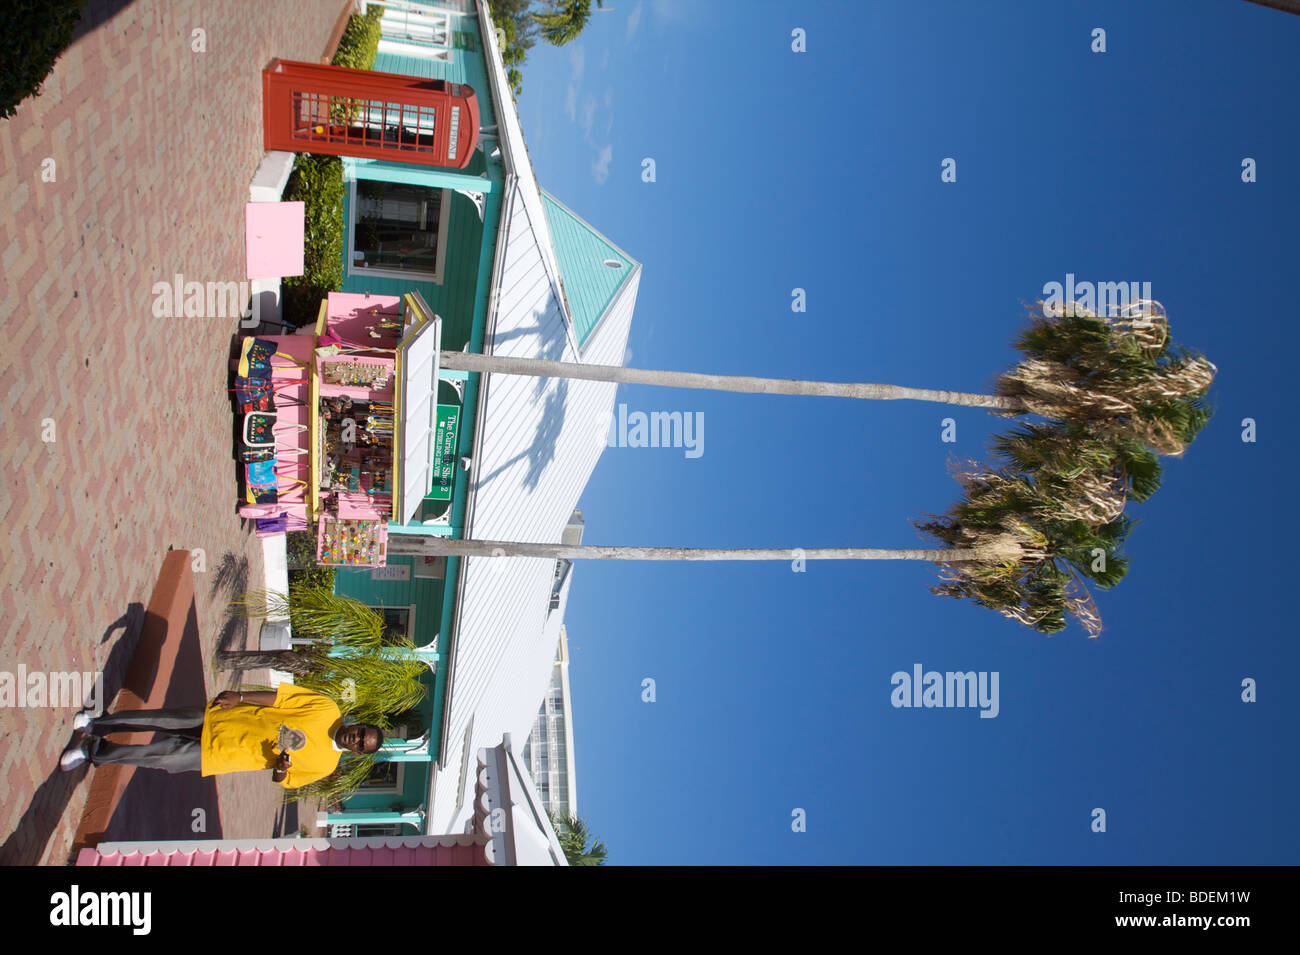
<point>300,549</point>
<point>317,182</point>
<point>33,34</point>
<point>360,43</point>
<point>311,577</point>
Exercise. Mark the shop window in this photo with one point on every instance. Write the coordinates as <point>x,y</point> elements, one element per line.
<point>367,831</point>
<point>398,230</point>
<point>387,776</point>
<point>398,623</point>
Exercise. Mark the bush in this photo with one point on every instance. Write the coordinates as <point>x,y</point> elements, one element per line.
<point>317,182</point>
<point>33,34</point>
<point>360,43</point>
<point>309,577</point>
<point>304,572</point>
<point>300,549</point>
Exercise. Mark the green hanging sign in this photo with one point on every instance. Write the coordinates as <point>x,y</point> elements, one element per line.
<point>444,453</point>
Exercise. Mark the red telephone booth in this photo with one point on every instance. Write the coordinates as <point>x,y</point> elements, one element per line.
<point>313,108</point>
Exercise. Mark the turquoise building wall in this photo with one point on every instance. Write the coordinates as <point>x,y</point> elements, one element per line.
<point>453,298</point>
<point>460,300</point>
<point>418,592</point>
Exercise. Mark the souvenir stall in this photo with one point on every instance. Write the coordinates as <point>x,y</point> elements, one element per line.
<point>320,427</point>
<point>353,439</point>
<point>271,391</point>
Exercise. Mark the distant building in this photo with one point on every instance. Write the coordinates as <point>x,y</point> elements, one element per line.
<point>548,754</point>
<point>573,530</point>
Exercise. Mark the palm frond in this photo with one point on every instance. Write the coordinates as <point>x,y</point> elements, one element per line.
<point>352,771</point>
<point>317,613</point>
<point>1121,376</point>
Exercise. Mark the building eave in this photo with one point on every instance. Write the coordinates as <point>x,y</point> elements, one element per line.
<point>471,499</point>
<point>517,161</point>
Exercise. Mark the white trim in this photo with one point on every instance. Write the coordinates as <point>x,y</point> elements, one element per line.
<point>414,7</point>
<point>271,177</point>
<point>436,569</point>
<point>392,790</point>
<point>444,220</point>
<point>449,646</point>
<point>417,353</point>
<point>396,47</point>
<point>275,566</point>
<point>410,619</point>
<point>464,758</point>
<point>396,788</point>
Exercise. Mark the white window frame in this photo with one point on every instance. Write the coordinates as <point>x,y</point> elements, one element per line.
<point>444,218</point>
<point>410,617</point>
<point>396,788</point>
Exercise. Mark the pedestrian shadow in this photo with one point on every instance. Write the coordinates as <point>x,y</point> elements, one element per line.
<point>286,821</point>
<point>27,843</point>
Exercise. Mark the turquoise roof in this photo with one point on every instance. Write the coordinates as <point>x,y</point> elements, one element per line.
<point>583,253</point>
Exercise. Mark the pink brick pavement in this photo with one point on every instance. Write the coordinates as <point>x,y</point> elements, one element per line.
<point>153,147</point>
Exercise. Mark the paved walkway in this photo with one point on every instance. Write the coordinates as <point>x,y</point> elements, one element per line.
<point>153,146</point>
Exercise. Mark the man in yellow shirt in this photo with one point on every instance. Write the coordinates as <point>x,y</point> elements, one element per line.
<point>296,733</point>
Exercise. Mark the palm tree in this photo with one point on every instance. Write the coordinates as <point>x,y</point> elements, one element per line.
<point>461,547</point>
<point>542,368</point>
<point>315,612</point>
<point>1022,540</point>
<point>1062,531</point>
<point>566,20</point>
<point>1123,379</point>
<point>369,688</point>
<point>1122,372</point>
<point>1286,6</point>
<point>982,548</point>
<point>573,835</point>
<point>348,660</point>
<point>1027,533</point>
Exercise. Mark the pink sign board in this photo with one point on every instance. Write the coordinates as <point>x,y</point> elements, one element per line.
<point>273,239</point>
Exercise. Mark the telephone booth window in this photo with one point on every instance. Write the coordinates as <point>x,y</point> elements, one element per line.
<point>337,111</point>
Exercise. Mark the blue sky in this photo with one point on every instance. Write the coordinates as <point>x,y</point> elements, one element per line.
<point>820,170</point>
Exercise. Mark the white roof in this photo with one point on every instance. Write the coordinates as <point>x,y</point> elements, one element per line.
<point>417,397</point>
<point>540,439</point>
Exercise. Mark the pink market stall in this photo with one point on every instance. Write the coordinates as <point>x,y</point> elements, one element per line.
<point>320,436</point>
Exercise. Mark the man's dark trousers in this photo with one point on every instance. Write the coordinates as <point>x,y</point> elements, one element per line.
<point>175,750</point>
